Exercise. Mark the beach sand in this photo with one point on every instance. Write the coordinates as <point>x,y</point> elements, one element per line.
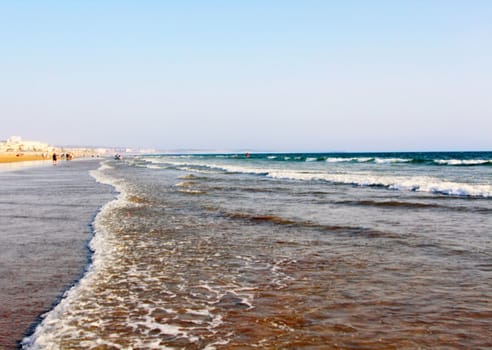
<point>8,157</point>
<point>45,216</point>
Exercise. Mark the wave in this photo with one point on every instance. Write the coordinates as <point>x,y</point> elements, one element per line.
<point>415,183</point>
<point>415,205</point>
<point>463,162</point>
<point>436,158</point>
<point>392,160</point>
<point>393,182</point>
<point>277,220</point>
<point>438,161</point>
<point>376,160</point>
<point>189,187</point>
<point>391,204</point>
<point>423,161</point>
<point>101,251</point>
<point>349,160</point>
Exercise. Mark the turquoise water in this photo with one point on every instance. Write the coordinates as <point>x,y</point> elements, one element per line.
<point>461,174</point>
<point>428,158</point>
<point>228,251</point>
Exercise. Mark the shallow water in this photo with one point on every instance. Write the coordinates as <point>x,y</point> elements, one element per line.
<point>45,213</point>
<point>222,253</point>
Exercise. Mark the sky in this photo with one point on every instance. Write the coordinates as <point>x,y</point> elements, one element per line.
<point>260,75</point>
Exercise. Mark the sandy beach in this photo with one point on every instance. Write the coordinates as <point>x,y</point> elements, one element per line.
<point>15,157</point>
<point>45,215</point>
<point>9,157</point>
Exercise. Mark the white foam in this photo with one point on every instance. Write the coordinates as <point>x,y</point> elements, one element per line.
<point>408,183</point>
<point>202,312</point>
<point>153,166</point>
<point>52,325</point>
<point>462,161</point>
<point>347,160</point>
<point>211,346</point>
<point>396,182</point>
<point>339,160</point>
<point>184,184</point>
<point>391,160</point>
<point>190,168</point>
<point>165,328</point>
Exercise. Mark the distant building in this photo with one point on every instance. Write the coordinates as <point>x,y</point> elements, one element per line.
<point>16,144</point>
<point>14,139</point>
<point>102,151</point>
<point>147,151</point>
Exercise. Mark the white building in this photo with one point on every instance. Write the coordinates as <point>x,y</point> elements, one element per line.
<point>16,144</point>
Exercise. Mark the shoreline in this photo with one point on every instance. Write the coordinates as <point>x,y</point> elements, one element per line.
<point>44,244</point>
<point>94,250</point>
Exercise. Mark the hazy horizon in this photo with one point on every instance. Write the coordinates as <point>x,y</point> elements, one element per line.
<point>278,76</point>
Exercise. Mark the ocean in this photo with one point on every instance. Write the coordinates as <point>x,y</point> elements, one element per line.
<point>285,251</point>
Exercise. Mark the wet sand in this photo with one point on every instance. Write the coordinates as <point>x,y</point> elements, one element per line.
<point>45,217</point>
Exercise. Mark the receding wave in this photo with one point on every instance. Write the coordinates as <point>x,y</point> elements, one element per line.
<point>189,177</point>
<point>190,186</point>
<point>192,192</point>
<point>100,248</point>
<point>278,220</point>
<point>391,204</point>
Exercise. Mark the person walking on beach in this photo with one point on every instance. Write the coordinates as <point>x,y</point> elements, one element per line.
<point>55,159</point>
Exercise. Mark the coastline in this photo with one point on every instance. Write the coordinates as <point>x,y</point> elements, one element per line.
<point>171,268</point>
<point>46,214</point>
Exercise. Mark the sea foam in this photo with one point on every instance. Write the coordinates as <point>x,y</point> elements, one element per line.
<point>52,326</point>
<point>394,181</point>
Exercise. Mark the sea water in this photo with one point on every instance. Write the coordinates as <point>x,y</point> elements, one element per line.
<point>317,251</point>
<point>45,217</point>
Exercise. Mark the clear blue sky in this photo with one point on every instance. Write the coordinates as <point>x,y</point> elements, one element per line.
<point>262,75</point>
